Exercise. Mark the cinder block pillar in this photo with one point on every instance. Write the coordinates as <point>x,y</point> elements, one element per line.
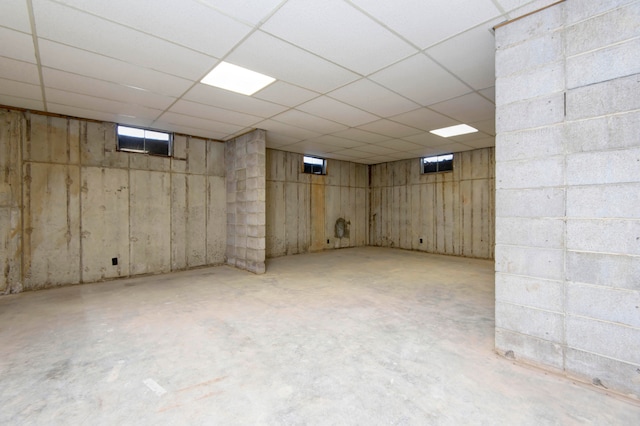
<point>568,191</point>
<point>245,159</point>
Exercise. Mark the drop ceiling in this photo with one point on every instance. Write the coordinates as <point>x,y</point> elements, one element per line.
<point>356,80</point>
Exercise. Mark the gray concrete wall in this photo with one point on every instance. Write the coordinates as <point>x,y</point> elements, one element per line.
<point>246,200</point>
<point>12,132</point>
<point>69,203</point>
<point>302,209</point>
<point>568,185</point>
<point>451,212</point>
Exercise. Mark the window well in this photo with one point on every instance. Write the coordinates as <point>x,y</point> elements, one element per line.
<point>133,139</point>
<point>439,163</point>
<point>314,165</point>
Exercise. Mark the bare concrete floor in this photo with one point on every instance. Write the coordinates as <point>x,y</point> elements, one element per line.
<point>356,336</point>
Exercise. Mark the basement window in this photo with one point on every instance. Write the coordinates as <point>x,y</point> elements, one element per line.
<point>314,165</point>
<point>145,141</point>
<point>436,164</point>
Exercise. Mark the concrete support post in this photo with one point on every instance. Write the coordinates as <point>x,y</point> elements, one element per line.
<point>245,159</point>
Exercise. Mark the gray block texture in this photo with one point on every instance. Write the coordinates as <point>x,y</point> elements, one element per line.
<point>567,191</point>
<point>246,183</point>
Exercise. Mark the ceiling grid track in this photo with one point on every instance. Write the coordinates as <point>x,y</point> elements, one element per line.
<point>36,48</point>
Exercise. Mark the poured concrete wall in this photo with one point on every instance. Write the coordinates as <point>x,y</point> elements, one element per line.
<point>302,209</point>
<point>568,185</point>
<point>69,203</point>
<point>246,199</point>
<point>451,212</point>
<point>12,132</point>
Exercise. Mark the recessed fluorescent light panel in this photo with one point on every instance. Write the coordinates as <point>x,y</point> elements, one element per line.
<point>237,79</point>
<point>460,129</point>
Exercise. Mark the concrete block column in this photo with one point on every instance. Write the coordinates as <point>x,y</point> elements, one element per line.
<point>245,159</point>
<point>567,185</point>
<point>530,192</point>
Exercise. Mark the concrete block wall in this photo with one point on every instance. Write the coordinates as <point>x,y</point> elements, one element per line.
<point>302,208</point>
<point>568,185</point>
<point>451,212</point>
<point>245,162</point>
<point>70,203</point>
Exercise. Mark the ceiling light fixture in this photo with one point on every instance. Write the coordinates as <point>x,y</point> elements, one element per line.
<point>460,129</point>
<point>237,79</point>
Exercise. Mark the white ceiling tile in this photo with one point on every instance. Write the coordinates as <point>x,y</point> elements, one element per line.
<point>390,128</point>
<point>199,123</point>
<point>17,45</point>
<point>337,111</point>
<point>116,41</point>
<point>336,31</point>
<point>482,143</point>
<point>214,113</point>
<point>298,149</point>
<point>370,150</point>
<point>316,48</point>
<point>373,98</point>
<point>98,104</point>
<point>266,54</point>
<point>450,147</point>
<point>398,155</point>
<point>20,102</point>
<point>486,126</point>
<point>366,161</point>
<point>102,89</point>
<point>287,94</point>
<point>424,119</point>
<point>278,140</point>
<point>508,5</point>
<point>516,11</point>
<point>308,121</point>
<point>213,96</point>
<point>330,143</point>
<point>250,11</point>
<point>421,80</point>
<point>188,23</point>
<point>285,129</point>
<point>20,89</point>
<point>97,115</point>
<point>427,22</point>
<point>428,152</point>
<point>408,155</point>
<point>469,137</point>
<point>380,159</point>
<point>361,136</point>
<point>311,148</point>
<point>466,109</point>
<point>345,155</point>
<point>399,145</point>
<point>426,139</point>
<point>330,140</point>
<point>15,15</point>
<point>19,71</point>
<point>65,58</point>
<point>470,56</point>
